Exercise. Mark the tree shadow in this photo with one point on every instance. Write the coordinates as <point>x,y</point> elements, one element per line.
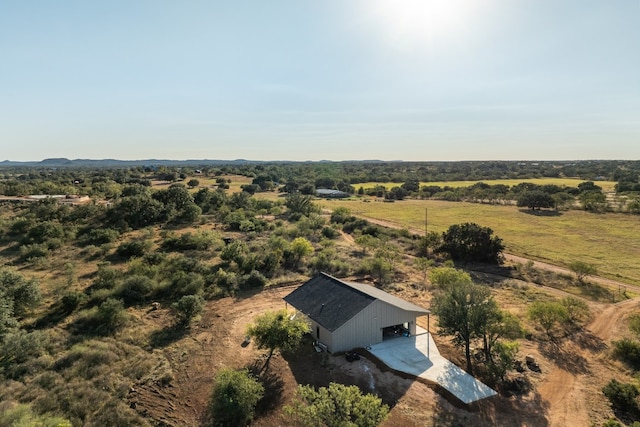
<point>273,387</point>
<point>540,212</point>
<point>163,337</point>
<point>56,314</point>
<point>563,358</point>
<point>596,292</point>
<point>588,341</point>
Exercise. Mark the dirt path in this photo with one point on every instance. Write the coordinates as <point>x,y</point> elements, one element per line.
<point>565,394</point>
<point>608,323</point>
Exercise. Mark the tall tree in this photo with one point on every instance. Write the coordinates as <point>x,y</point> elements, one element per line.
<point>277,330</point>
<point>464,310</point>
<point>582,269</point>
<point>535,199</point>
<point>471,242</point>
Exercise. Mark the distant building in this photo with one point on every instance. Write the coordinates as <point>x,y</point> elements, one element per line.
<point>328,193</point>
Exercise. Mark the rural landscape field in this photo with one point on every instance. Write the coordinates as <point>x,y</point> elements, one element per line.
<point>131,295</point>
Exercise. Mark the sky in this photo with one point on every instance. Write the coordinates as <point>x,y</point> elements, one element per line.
<point>320,80</point>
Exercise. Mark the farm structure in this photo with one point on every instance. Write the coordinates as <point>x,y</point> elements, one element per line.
<point>328,193</point>
<point>347,315</point>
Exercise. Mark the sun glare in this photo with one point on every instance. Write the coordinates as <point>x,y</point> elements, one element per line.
<point>411,23</point>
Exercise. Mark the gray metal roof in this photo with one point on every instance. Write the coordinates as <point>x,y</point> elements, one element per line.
<point>331,302</point>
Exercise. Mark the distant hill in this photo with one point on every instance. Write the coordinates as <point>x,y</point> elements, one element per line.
<point>98,163</point>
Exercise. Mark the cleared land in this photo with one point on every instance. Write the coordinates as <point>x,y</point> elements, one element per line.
<point>609,241</point>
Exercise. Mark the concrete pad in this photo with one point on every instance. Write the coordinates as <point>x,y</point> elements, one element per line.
<point>418,355</point>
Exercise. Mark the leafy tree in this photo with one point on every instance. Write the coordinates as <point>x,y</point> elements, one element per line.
<point>136,212</point>
<point>187,308</point>
<point>367,241</point>
<point>463,311</point>
<point>536,199</point>
<point>471,242</point>
<point>21,293</point>
<point>234,398</point>
<point>277,330</point>
<point>340,215</point>
<point>593,201</point>
<point>299,248</point>
<point>547,315</point>
<point>380,268</point>
<point>337,406</point>
<point>423,265</point>
<point>7,321</point>
<point>448,276</point>
<point>503,356</point>
<point>193,183</point>
<point>300,204</point>
<point>577,309</point>
<point>582,270</point>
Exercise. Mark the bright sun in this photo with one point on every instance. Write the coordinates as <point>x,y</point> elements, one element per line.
<point>409,23</point>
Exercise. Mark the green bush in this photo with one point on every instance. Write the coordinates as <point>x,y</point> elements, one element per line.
<point>33,251</point>
<point>187,308</point>
<point>133,248</point>
<point>136,289</point>
<point>71,300</point>
<point>337,405</point>
<point>623,396</point>
<point>627,350</point>
<point>234,398</point>
<point>99,236</point>
<point>110,315</point>
<point>253,280</point>
<point>191,242</point>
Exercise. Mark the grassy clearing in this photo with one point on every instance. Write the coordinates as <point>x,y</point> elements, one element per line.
<point>609,241</point>
<point>569,182</point>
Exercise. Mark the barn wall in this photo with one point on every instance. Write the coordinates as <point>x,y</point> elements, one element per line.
<point>326,337</point>
<point>365,328</point>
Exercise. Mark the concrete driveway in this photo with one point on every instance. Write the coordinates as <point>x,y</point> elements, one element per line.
<point>418,355</point>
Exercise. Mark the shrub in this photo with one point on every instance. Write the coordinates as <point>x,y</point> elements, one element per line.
<point>623,396</point>
<point>133,248</point>
<point>337,405</point>
<point>187,308</point>
<point>71,300</point>
<point>99,236</point>
<point>190,241</point>
<point>253,280</point>
<point>33,251</point>
<point>234,398</point>
<point>627,350</point>
<point>111,315</point>
<point>107,277</point>
<point>136,289</point>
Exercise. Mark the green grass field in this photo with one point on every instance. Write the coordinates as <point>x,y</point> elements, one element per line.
<point>569,182</point>
<point>609,241</point>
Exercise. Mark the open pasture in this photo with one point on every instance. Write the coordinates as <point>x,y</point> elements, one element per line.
<point>609,241</point>
<point>569,182</point>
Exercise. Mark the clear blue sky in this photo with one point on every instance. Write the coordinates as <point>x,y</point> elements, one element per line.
<point>321,79</point>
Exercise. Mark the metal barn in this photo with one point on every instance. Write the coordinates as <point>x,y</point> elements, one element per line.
<point>345,316</point>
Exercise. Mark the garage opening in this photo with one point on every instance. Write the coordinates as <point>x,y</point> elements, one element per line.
<point>395,331</point>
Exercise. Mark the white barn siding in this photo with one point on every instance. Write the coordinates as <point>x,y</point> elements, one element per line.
<point>365,328</point>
